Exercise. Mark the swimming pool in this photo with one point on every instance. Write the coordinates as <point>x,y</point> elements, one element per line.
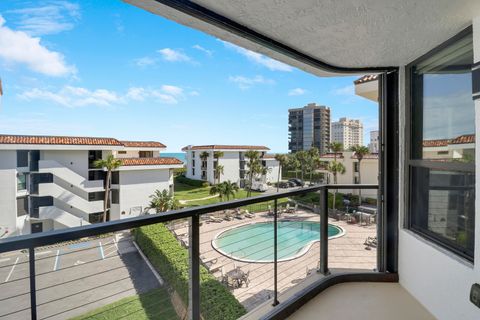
<point>254,242</point>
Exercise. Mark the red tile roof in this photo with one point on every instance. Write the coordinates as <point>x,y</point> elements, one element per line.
<point>269,156</point>
<point>58,140</point>
<point>225,147</point>
<point>150,161</point>
<point>143,144</point>
<point>366,78</point>
<point>464,139</point>
<point>66,140</point>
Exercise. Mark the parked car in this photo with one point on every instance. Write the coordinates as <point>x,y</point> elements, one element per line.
<point>259,186</point>
<point>297,182</point>
<point>284,184</point>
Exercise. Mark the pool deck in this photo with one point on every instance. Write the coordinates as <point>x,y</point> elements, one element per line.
<point>346,252</point>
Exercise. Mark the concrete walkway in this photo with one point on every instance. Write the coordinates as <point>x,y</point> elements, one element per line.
<point>199,199</point>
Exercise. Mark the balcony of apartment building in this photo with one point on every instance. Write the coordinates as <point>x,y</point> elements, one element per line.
<point>417,258</point>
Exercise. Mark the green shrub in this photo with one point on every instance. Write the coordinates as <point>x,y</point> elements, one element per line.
<point>191,182</point>
<point>179,171</point>
<point>171,261</point>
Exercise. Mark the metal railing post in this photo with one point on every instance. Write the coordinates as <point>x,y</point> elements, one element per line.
<point>194,287</point>
<point>275,257</point>
<point>33,289</point>
<point>324,231</point>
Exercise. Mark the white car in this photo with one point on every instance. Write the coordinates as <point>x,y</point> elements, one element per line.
<point>259,186</point>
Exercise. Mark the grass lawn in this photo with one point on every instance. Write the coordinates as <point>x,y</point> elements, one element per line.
<point>154,304</point>
<point>187,192</point>
<point>239,195</point>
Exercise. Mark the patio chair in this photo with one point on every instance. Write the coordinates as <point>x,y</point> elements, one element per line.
<point>246,278</point>
<point>287,208</point>
<point>228,216</point>
<point>214,219</point>
<point>249,215</point>
<point>239,215</point>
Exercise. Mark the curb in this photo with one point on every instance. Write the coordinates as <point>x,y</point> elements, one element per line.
<point>150,266</point>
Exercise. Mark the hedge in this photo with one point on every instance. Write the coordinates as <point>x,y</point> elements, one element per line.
<point>171,261</point>
<point>191,182</point>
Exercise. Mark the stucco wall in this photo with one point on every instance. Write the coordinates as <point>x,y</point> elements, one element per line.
<point>8,190</point>
<point>136,186</point>
<point>439,279</point>
<point>75,160</point>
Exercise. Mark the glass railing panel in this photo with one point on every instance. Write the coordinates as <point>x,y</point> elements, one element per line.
<point>14,285</point>
<point>357,247</point>
<point>105,277</point>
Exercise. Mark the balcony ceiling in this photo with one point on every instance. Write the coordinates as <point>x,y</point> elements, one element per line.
<point>351,33</point>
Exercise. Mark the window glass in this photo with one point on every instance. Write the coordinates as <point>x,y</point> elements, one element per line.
<point>22,158</point>
<point>21,181</point>
<point>444,108</point>
<point>115,196</point>
<point>442,152</point>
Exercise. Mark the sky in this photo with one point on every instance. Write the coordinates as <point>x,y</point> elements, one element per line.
<point>109,69</point>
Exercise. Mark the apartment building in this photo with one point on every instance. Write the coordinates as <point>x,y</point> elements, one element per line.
<point>309,127</point>
<point>233,161</point>
<point>373,144</point>
<point>368,170</point>
<point>50,182</point>
<point>348,132</point>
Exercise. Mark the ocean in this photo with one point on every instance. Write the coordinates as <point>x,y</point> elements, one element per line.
<point>179,155</point>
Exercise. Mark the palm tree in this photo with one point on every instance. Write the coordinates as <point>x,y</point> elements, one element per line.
<point>282,161</point>
<point>204,156</point>
<point>163,201</point>
<point>335,168</point>
<point>111,163</point>
<point>224,190</point>
<point>335,147</point>
<point>313,160</point>
<point>360,152</point>
<point>218,172</point>
<point>302,157</point>
<point>254,167</point>
<point>293,164</point>
<point>218,169</point>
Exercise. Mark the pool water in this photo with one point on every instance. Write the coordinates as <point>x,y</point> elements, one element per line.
<point>254,242</point>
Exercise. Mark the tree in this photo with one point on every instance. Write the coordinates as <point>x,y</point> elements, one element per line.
<point>163,201</point>
<point>302,157</point>
<point>282,161</point>
<point>219,168</point>
<point>110,164</point>
<point>335,147</point>
<point>360,152</point>
<point>335,168</point>
<point>224,190</point>
<point>254,167</point>
<point>293,164</point>
<point>313,161</point>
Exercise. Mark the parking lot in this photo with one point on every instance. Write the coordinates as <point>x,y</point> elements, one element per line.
<point>73,278</point>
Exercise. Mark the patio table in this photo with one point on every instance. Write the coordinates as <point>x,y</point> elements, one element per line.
<point>237,275</point>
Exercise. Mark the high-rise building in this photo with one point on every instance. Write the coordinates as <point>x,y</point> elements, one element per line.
<point>373,145</point>
<point>309,127</point>
<point>348,132</point>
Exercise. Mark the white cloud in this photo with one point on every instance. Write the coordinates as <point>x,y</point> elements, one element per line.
<point>173,55</point>
<point>297,92</point>
<point>206,51</point>
<point>172,90</point>
<point>71,97</point>
<point>245,83</point>
<point>19,47</point>
<point>53,17</point>
<point>260,59</point>
<point>194,93</point>
<point>145,62</point>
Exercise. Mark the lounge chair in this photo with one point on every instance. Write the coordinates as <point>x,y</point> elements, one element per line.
<point>249,215</point>
<point>214,219</point>
<point>239,215</point>
<point>228,216</point>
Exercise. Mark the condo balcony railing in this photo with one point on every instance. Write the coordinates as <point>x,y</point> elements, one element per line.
<point>293,230</point>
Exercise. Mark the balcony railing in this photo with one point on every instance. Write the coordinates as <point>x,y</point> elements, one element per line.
<point>32,242</point>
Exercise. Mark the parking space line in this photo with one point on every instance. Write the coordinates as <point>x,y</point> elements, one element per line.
<point>57,258</point>
<point>100,247</point>
<point>11,270</point>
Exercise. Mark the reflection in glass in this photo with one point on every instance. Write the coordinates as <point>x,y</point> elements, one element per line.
<point>443,109</point>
